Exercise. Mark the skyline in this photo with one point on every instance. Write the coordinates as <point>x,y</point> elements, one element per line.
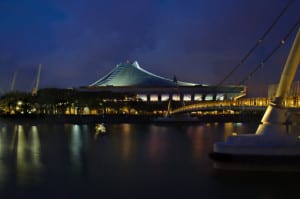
<point>199,41</point>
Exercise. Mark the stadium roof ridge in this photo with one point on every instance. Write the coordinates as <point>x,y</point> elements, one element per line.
<point>131,74</point>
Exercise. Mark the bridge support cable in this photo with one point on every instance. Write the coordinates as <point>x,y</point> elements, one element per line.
<point>258,43</point>
<point>278,46</point>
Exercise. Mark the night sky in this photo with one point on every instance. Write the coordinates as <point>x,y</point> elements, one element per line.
<point>79,41</point>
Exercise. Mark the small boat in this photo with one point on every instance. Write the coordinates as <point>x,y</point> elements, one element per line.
<point>100,128</point>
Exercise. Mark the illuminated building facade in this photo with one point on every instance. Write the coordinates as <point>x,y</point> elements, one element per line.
<point>133,79</point>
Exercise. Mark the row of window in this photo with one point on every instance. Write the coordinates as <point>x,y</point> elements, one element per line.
<point>176,97</point>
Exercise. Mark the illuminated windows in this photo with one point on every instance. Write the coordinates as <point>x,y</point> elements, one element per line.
<point>153,97</point>
<point>143,97</point>
<point>176,97</point>
<point>220,97</point>
<point>187,97</point>
<point>165,97</point>
<point>209,97</point>
<point>198,97</point>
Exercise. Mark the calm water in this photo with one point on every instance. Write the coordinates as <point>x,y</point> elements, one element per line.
<point>131,161</point>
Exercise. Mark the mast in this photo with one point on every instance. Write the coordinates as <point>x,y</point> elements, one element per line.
<point>36,87</point>
<point>289,71</point>
<point>275,115</point>
<point>12,87</point>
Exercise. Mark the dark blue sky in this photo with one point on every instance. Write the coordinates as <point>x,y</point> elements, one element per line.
<point>79,41</point>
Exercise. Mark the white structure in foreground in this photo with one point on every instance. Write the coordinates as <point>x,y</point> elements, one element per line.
<point>271,138</point>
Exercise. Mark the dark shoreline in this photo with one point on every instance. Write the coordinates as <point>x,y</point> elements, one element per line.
<point>94,119</point>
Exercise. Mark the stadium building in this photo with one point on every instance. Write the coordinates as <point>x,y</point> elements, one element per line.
<point>131,78</point>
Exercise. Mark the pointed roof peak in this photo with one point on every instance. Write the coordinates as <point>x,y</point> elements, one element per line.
<point>129,63</point>
<point>136,64</point>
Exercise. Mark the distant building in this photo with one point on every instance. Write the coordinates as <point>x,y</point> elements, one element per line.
<point>131,78</point>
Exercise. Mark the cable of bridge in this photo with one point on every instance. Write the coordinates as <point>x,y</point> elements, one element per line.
<point>258,43</point>
<point>278,46</point>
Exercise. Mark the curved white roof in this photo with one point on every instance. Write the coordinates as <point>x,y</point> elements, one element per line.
<point>131,74</point>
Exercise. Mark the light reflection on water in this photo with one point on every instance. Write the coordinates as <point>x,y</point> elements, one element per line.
<point>20,154</point>
<point>22,163</point>
<point>196,135</point>
<point>157,144</point>
<point>28,165</point>
<point>75,146</point>
<point>34,142</point>
<point>2,148</point>
<point>126,143</point>
<point>129,159</point>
